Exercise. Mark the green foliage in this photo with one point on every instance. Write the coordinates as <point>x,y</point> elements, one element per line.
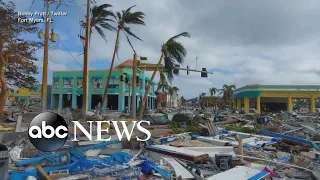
<point>17,54</point>
<point>192,124</point>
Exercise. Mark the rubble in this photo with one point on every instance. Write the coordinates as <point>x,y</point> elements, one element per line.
<point>204,146</point>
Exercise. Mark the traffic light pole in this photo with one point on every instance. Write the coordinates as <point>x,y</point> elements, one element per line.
<point>194,70</point>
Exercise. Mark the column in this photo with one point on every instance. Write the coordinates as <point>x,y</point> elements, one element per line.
<point>143,80</point>
<point>246,102</point>
<point>258,105</point>
<point>238,104</point>
<point>60,100</point>
<point>74,93</point>
<point>289,104</point>
<point>27,100</point>
<point>234,103</point>
<point>121,96</point>
<point>312,105</point>
<point>53,101</point>
<point>60,93</point>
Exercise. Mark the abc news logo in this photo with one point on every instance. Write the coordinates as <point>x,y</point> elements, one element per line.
<point>49,131</point>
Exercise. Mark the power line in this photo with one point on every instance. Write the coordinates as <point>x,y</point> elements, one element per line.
<point>71,55</point>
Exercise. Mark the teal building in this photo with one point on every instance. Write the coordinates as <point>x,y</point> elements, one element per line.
<point>67,88</point>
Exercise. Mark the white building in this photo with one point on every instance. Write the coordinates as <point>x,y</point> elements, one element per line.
<point>172,100</point>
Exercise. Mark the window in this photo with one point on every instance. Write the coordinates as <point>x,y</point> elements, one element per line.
<point>115,86</point>
<point>56,83</point>
<point>97,83</point>
<point>79,83</point>
<point>140,83</point>
<point>67,83</point>
<point>146,85</point>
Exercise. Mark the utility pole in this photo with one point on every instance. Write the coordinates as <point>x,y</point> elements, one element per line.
<point>196,62</point>
<point>134,86</point>
<point>44,89</point>
<point>85,63</point>
<point>129,97</point>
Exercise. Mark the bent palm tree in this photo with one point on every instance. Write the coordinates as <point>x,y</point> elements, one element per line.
<point>227,91</point>
<point>172,52</point>
<point>100,20</point>
<point>124,18</point>
<point>213,91</point>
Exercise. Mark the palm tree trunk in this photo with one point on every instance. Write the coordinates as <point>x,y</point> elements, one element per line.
<point>105,95</point>
<point>143,105</point>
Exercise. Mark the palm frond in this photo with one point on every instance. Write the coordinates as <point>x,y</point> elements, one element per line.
<point>183,34</point>
<point>176,51</point>
<point>127,30</point>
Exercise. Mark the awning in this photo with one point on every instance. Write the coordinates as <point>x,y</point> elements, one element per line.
<point>115,76</point>
<point>80,77</point>
<point>79,91</point>
<point>67,77</point>
<point>56,77</point>
<point>96,77</point>
<point>113,91</point>
<point>147,78</point>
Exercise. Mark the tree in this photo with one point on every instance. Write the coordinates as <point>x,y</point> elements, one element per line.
<point>17,60</point>
<point>213,91</point>
<point>123,19</point>
<point>100,20</point>
<point>227,91</point>
<point>172,52</point>
<point>163,86</point>
<point>183,101</point>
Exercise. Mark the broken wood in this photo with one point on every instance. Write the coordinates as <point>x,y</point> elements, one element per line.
<point>42,174</point>
<point>180,153</point>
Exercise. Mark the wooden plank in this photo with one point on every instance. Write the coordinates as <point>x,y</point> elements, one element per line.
<point>178,168</point>
<point>42,174</point>
<point>179,153</point>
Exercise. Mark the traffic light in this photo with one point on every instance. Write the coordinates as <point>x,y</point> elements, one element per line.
<point>176,69</point>
<point>204,72</point>
<point>121,78</point>
<point>187,70</point>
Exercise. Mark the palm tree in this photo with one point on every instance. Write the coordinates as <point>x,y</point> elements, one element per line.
<point>162,81</point>
<point>182,100</point>
<point>123,19</point>
<point>213,91</point>
<point>172,52</point>
<point>227,91</point>
<point>100,20</point>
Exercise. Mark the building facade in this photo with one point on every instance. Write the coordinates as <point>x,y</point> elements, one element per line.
<point>274,97</point>
<point>67,88</point>
<point>172,100</point>
<point>32,96</point>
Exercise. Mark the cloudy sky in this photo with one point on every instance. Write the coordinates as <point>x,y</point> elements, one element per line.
<point>241,42</point>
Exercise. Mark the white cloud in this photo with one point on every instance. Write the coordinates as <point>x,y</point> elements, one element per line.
<point>260,43</point>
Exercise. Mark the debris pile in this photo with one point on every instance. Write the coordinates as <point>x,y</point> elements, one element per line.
<point>198,145</point>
